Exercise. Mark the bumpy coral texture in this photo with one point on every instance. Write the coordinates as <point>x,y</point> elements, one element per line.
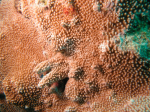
<point>58,55</point>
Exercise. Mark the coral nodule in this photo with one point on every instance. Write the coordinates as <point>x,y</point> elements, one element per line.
<point>63,56</point>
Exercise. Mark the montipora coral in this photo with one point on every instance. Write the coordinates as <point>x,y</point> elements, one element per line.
<point>62,56</point>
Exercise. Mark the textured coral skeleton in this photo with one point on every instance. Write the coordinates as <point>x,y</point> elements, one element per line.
<point>59,55</point>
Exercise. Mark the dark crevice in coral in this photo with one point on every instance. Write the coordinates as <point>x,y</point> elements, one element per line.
<point>30,110</point>
<point>79,73</point>
<point>81,100</point>
<point>62,84</point>
<point>67,48</point>
<point>2,96</point>
<point>17,5</point>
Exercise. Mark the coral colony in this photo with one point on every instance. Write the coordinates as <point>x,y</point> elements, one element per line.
<point>75,55</point>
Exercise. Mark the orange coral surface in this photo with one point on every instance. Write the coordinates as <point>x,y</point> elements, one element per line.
<point>59,56</point>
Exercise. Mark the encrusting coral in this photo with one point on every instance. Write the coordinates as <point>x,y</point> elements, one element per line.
<point>59,55</point>
<point>125,71</point>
